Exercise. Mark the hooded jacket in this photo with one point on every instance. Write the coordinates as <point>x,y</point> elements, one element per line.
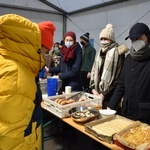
<point>20,63</point>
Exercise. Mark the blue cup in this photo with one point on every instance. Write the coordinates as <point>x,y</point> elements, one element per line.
<point>52,86</point>
<point>41,74</point>
<point>51,91</point>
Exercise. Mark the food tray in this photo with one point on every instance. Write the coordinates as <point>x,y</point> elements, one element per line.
<point>62,110</point>
<point>105,128</point>
<point>80,118</point>
<point>133,134</point>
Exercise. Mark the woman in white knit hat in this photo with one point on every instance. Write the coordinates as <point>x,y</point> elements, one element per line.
<point>107,65</point>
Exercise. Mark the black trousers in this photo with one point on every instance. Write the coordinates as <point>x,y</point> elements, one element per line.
<point>85,80</point>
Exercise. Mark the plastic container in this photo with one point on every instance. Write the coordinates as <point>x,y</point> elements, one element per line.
<point>52,86</point>
<point>62,110</point>
<point>43,85</point>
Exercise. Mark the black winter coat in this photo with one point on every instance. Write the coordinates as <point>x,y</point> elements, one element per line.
<point>70,70</point>
<point>134,86</point>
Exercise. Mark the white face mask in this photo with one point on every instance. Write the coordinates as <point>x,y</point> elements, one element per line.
<point>104,43</point>
<point>68,44</point>
<point>139,44</point>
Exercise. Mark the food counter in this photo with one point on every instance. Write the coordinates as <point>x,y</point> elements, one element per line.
<point>81,128</point>
<point>106,131</point>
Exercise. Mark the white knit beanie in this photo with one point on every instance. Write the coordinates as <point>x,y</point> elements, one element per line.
<point>108,32</point>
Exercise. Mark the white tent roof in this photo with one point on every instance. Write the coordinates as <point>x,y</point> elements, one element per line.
<point>75,6</point>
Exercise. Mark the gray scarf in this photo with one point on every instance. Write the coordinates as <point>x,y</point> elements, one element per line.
<point>141,54</point>
<point>102,83</point>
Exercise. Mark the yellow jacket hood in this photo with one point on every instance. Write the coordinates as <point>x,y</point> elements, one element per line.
<point>20,39</point>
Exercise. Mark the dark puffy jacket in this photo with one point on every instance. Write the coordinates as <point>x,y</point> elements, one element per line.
<point>70,70</point>
<point>134,87</point>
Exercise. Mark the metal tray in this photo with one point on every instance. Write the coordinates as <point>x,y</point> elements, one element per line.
<point>84,119</point>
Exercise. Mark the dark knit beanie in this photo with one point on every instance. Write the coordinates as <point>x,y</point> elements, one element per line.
<point>85,37</point>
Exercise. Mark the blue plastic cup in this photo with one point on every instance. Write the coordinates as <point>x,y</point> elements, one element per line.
<point>51,91</point>
<point>52,86</point>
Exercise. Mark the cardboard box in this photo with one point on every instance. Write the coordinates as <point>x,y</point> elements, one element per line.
<point>135,133</point>
<point>107,127</point>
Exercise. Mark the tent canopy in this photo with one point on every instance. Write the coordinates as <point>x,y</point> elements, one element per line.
<point>76,6</point>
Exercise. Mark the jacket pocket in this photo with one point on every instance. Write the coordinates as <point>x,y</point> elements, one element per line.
<point>144,112</point>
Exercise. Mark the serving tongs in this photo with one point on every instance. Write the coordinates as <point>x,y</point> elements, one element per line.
<point>81,93</point>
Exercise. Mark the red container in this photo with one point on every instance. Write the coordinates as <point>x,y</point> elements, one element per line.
<point>121,145</point>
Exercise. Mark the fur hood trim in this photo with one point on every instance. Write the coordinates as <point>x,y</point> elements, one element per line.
<point>122,49</point>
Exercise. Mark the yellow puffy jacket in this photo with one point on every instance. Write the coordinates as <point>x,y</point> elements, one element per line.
<point>20,39</point>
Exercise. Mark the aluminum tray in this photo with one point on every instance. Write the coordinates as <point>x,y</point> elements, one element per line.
<point>84,119</point>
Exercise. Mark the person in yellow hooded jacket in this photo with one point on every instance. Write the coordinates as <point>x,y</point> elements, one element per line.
<point>22,47</point>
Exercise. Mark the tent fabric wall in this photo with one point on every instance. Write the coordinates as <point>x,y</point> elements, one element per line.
<point>121,15</point>
<point>27,3</point>
<point>36,15</point>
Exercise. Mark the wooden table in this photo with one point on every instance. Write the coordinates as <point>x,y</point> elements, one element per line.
<point>81,128</point>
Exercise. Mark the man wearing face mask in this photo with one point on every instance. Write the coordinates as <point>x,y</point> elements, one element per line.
<point>135,77</point>
<point>88,53</point>
<point>107,65</point>
<point>70,63</point>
